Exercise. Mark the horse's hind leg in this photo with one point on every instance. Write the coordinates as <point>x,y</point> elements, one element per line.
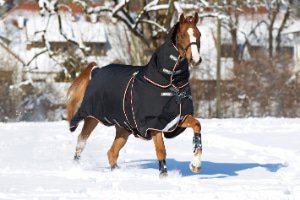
<point>160,152</point>
<point>88,127</point>
<point>119,142</point>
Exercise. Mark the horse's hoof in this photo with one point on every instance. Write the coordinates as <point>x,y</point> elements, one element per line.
<point>76,157</point>
<point>195,169</point>
<point>114,167</point>
<point>163,175</point>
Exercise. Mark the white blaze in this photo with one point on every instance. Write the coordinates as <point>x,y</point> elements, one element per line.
<point>194,49</point>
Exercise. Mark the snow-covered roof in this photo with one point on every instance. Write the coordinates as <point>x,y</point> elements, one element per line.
<point>76,28</point>
<point>24,25</point>
<point>295,27</point>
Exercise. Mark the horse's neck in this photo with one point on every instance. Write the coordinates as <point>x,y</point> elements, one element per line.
<point>165,67</point>
<point>168,54</point>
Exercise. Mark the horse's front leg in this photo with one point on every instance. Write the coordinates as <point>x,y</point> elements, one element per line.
<point>193,123</point>
<point>160,152</point>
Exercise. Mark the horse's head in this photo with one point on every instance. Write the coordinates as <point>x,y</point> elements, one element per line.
<point>188,39</point>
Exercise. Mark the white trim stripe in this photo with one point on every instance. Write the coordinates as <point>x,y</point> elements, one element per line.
<point>172,123</point>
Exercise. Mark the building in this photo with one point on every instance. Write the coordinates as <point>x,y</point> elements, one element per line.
<point>294,31</point>
<point>27,34</point>
<point>33,50</point>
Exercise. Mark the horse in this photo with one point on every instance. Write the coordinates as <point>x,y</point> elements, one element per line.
<point>148,101</point>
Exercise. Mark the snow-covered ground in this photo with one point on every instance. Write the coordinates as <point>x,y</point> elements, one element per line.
<point>243,159</point>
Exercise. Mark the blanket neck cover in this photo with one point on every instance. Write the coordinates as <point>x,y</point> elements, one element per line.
<point>156,96</point>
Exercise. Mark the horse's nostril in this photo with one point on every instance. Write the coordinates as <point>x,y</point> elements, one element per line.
<point>195,63</point>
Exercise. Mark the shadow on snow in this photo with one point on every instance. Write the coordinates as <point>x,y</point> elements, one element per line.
<point>217,170</point>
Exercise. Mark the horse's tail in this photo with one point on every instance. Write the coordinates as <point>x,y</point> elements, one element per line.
<point>77,89</point>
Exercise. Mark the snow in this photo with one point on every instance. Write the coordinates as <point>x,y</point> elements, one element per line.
<point>242,159</point>
<point>119,6</point>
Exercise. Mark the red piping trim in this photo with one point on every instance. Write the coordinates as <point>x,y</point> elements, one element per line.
<point>171,81</point>
<point>131,100</point>
<point>175,47</point>
<point>124,111</point>
<point>156,84</point>
<point>162,86</point>
<point>154,129</point>
<point>184,85</point>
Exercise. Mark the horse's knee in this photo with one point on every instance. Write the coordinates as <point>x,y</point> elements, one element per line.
<point>196,125</point>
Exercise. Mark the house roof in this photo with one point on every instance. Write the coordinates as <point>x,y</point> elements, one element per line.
<point>294,28</point>
<point>24,24</point>
<point>75,26</point>
<point>30,6</point>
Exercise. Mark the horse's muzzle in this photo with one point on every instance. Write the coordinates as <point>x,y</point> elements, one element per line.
<point>195,63</point>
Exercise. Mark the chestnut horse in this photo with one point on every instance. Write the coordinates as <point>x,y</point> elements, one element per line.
<point>186,43</point>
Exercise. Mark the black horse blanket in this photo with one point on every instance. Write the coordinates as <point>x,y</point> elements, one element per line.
<point>156,96</point>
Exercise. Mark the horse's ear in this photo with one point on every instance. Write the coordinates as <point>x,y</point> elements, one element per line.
<point>182,19</point>
<point>196,18</point>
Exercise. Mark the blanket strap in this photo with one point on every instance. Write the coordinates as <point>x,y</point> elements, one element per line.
<point>178,94</point>
<point>171,73</point>
<point>197,142</point>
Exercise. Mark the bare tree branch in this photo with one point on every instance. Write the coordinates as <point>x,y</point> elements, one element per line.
<point>12,53</point>
<point>282,25</point>
<point>155,24</point>
<point>34,57</point>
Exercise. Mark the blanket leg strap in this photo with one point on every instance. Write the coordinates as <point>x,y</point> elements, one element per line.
<point>195,165</point>
<point>197,142</point>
